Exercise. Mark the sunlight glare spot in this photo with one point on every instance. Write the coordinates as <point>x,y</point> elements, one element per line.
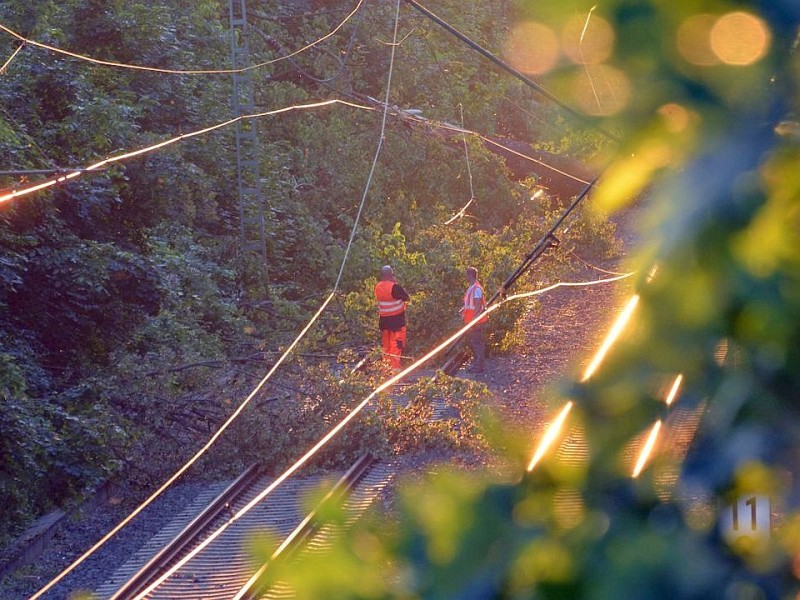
<point>676,118</point>
<point>739,38</point>
<point>613,334</point>
<point>676,385</point>
<point>588,42</point>
<point>550,436</point>
<point>532,48</point>
<point>647,449</point>
<point>694,40</point>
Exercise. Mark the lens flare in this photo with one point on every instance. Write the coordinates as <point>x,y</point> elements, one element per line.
<point>673,392</point>
<point>532,48</point>
<point>647,449</point>
<point>694,40</point>
<point>550,435</point>
<point>739,39</point>
<point>613,334</point>
<point>588,40</point>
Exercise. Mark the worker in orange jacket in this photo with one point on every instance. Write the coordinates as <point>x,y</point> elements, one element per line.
<point>391,298</point>
<point>474,305</point>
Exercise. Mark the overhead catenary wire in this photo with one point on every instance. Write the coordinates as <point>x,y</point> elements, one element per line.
<point>490,141</point>
<point>11,58</point>
<point>271,371</point>
<point>272,43</point>
<point>67,174</point>
<point>350,416</point>
<point>120,65</point>
<point>36,187</point>
<point>334,431</point>
<point>447,126</point>
<point>464,208</point>
<point>508,68</point>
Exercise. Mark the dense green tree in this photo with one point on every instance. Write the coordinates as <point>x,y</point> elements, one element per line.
<point>120,288</point>
<point>706,104</point>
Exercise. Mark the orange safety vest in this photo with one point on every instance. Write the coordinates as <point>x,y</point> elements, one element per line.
<point>469,303</point>
<point>387,305</point>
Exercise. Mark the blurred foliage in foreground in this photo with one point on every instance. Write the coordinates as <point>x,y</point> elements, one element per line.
<point>706,96</point>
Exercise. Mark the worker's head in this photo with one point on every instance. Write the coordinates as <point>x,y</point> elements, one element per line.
<point>386,273</point>
<point>472,274</point>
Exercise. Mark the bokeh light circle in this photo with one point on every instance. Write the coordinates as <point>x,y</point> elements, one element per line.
<point>532,48</point>
<point>588,40</point>
<point>739,38</point>
<point>694,40</point>
<point>675,117</point>
<point>601,90</point>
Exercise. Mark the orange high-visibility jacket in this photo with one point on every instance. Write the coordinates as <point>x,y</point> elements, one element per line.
<point>387,305</point>
<point>469,302</point>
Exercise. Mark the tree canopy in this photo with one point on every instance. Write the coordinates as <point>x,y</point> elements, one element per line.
<point>703,97</point>
<point>124,287</point>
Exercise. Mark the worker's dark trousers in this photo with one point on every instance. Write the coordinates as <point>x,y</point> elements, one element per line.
<point>475,339</point>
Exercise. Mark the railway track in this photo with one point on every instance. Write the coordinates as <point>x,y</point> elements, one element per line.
<point>225,570</point>
<point>224,567</point>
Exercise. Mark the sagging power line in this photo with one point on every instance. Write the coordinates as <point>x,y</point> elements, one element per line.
<point>120,65</point>
<point>48,183</point>
<point>80,560</point>
<point>508,68</point>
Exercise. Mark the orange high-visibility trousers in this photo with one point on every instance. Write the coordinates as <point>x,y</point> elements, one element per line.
<point>393,344</point>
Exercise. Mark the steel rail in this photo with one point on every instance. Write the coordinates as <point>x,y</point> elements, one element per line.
<point>142,578</point>
<point>196,530</point>
<point>259,583</point>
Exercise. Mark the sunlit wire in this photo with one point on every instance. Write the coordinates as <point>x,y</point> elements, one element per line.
<point>11,58</point>
<point>591,266</point>
<point>325,439</point>
<point>491,142</point>
<point>119,65</point>
<point>611,338</point>
<point>560,284</point>
<point>647,449</point>
<point>583,60</point>
<point>550,436</point>
<point>554,429</point>
<point>673,392</point>
<point>347,419</point>
<point>258,387</point>
<point>464,208</point>
<point>190,462</point>
<point>510,150</point>
<point>25,191</point>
